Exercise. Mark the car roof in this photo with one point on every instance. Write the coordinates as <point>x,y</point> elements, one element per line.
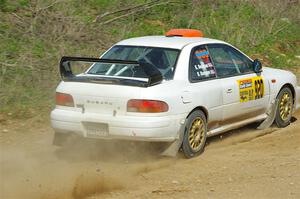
<point>166,42</point>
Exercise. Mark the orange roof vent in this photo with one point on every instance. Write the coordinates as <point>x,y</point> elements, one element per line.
<point>184,33</point>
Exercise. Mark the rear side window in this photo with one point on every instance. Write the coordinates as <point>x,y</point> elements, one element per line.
<point>201,66</point>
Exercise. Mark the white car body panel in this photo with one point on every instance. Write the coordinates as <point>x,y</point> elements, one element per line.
<point>105,105</point>
<point>167,42</point>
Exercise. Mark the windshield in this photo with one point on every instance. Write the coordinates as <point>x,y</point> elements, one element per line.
<point>161,58</point>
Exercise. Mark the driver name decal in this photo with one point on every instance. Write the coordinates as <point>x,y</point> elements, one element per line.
<point>203,68</point>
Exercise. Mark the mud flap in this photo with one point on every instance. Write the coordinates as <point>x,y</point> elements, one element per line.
<point>271,116</point>
<point>174,147</point>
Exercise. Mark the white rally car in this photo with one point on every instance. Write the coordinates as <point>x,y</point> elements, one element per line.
<point>179,88</point>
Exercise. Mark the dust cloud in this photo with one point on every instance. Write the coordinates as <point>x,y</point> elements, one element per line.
<point>79,169</point>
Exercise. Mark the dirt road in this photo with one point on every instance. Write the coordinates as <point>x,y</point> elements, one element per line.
<point>244,163</point>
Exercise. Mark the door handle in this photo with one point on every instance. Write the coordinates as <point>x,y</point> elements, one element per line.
<point>229,90</point>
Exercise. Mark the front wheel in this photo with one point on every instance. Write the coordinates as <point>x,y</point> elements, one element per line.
<point>195,134</point>
<point>285,107</point>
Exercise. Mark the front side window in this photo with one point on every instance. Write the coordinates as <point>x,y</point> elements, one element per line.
<point>243,64</point>
<point>222,61</point>
<point>228,61</point>
<point>201,66</point>
<point>161,58</point>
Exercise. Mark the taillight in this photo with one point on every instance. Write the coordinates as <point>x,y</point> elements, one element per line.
<point>147,106</point>
<point>64,99</point>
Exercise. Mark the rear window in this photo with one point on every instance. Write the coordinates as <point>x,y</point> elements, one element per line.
<point>161,58</point>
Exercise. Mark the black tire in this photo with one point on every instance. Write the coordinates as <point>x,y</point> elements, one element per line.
<point>190,137</point>
<point>60,139</point>
<point>284,108</point>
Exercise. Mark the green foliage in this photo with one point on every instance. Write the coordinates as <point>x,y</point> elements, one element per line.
<point>101,3</point>
<point>23,3</point>
<point>2,4</point>
<point>38,49</point>
<point>31,43</point>
<point>11,6</point>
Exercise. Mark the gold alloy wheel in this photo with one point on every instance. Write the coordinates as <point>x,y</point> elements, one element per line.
<point>196,133</point>
<point>285,106</point>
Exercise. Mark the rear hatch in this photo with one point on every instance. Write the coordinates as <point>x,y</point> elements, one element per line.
<point>108,99</point>
<point>103,85</point>
<point>97,103</point>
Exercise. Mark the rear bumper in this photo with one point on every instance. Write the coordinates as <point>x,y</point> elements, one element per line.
<point>163,128</point>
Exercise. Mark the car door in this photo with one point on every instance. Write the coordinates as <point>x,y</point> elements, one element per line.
<point>205,87</point>
<point>244,92</point>
<point>254,89</point>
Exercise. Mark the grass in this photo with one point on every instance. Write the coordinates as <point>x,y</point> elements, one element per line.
<point>35,34</point>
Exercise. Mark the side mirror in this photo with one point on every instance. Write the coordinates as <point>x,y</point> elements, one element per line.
<point>257,66</point>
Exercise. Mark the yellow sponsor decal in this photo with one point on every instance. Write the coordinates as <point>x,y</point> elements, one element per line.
<point>251,89</point>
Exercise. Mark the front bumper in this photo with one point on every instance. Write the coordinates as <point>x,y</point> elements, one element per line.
<point>162,128</point>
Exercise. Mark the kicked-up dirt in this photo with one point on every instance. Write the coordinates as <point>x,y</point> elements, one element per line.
<point>245,163</point>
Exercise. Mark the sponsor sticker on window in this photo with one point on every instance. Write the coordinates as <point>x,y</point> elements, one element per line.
<point>202,65</point>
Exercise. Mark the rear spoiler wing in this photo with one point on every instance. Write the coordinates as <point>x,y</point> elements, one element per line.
<point>65,68</point>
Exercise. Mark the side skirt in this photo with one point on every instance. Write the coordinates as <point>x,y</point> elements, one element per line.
<point>236,125</point>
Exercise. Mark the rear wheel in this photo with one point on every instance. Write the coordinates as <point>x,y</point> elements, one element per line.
<point>285,107</point>
<point>195,134</point>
